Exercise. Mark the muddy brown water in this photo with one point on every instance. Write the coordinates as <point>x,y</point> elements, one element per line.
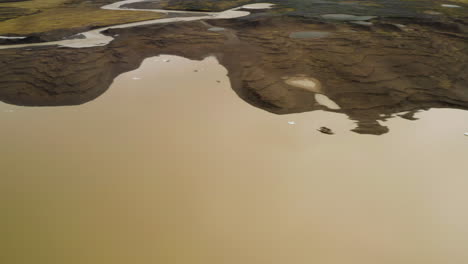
<point>170,166</point>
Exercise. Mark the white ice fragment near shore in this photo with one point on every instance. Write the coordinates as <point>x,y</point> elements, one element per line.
<point>291,122</point>
<point>466,134</point>
<point>136,78</point>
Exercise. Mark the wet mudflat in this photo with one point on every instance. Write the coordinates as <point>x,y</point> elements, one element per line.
<point>180,170</point>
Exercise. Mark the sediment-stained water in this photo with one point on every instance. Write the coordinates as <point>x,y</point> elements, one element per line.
<point>164,169</point>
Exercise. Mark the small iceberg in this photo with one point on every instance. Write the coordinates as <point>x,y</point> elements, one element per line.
<point>466,134</point>
<point>291,122</point>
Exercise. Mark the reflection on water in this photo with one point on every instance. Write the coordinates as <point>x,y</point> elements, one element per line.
<point>170,166</point>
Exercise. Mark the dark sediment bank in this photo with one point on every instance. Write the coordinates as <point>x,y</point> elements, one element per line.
<point>194,5</point>
<point>371,72</point>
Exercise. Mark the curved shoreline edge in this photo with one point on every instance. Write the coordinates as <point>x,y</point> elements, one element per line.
<point>95,37</point>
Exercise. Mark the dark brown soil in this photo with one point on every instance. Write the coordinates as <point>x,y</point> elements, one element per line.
<point>193,5</point>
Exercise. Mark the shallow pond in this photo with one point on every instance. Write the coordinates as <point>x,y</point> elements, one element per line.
<point>164,169</point>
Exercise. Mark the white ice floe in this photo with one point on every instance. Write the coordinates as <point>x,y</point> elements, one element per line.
<point>466,134</point>
<point>136,78</point>
<point>291,122</point>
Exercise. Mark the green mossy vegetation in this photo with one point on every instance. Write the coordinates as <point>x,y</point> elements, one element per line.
<point>37,16</point>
